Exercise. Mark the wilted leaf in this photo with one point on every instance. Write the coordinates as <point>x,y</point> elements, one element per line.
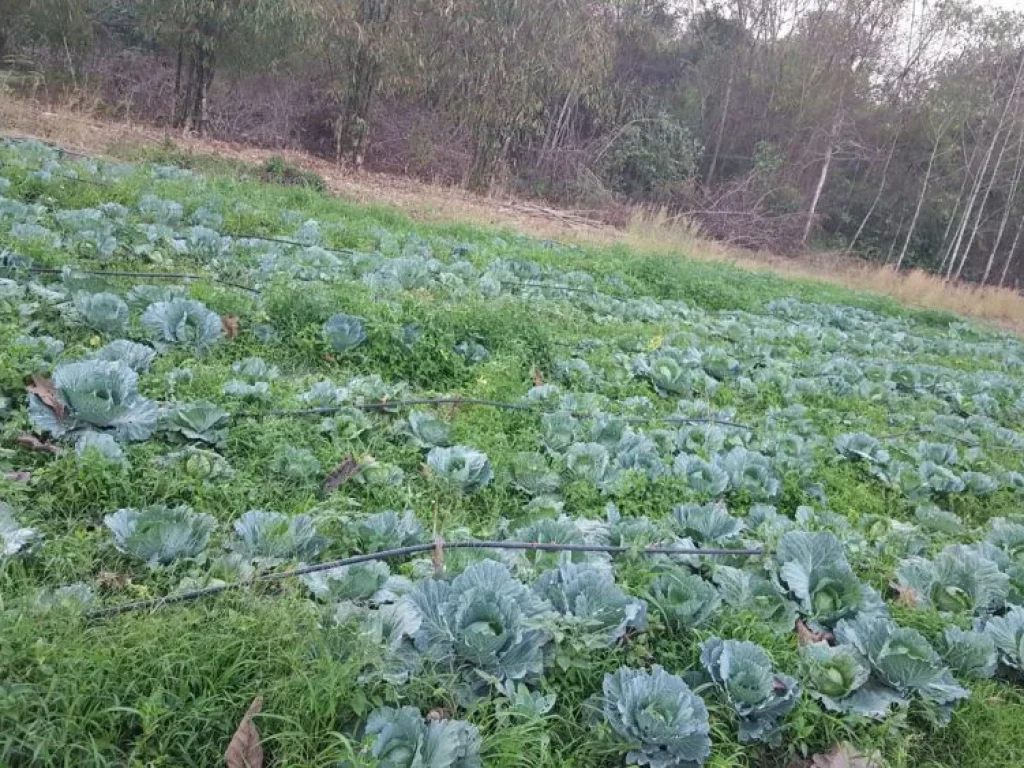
<point>846,756</point>
<point>245,750</point>
<point>905,596</point>
<point>805,635</point>
<point>341,474</point>
<point>113,580</point>
<point>33,443</point>
<point>230,325</point>
<point>42,387</point>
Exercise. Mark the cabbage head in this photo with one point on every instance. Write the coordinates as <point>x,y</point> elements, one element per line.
<point>401,738</point>
<point>958,580</point>
<point>96,395</point>
<point>272,537</point>
<point>159,535</point>
<point>743,671</point>
<point>484,620</point>
<point>664,723</point>
<point>683,600</point>
<point>182,322</point>
<point>467,469</point>
<point>344,332</point>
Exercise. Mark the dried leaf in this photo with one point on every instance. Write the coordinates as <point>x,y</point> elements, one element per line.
<point>245,750</point>
<point>437,714</point>
<point>805,635</point>
<point>18,477</point>
<point>905,596</point>
<point>230,325</point>
<point>341,474</point>
<point>537,378</point>
<point>42,387</point>
<point>113,580</point>
<point>33,443</point>
<point>846,756</point>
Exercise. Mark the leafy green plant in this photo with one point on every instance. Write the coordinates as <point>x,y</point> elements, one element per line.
<point>344,332</point>
<point>743,671</point>
<point>182,322</point>
<point>683,600</point>
<point>103,312</point>
<point>463,467</point>
<point>484,619</point>
<point>95,395</point>
<point>958,580</point>
<point>402,739</point>
<point>271,537</point>
<point>159,535</point>
<point>201,422</point>
<point>664,723</point>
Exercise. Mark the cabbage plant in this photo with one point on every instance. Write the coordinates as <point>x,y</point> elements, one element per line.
<point>664,723</point>
<point>99,444</point>
<point>138,357</point>
<point>182,322</point>
<point>841,680</point>
<point>467,469</point>
<point>705,523</point>
<point>159,535</point>
<point>902,661</point>
<point>593,607</point>
<point>959,579</point>
<point>484,620</point>
<point>344,332</point>
<point>532,476</point>
<point>427,431</point>
<point>387,530</point>
<point>968,653</point>
<point>359,582</point>
<point>683,600</point>
<point>814,573</point>
<point>96,395</point>
<point>272,537</point>
<point>14,537</point>
<point>701,476</point>
<point>200,422</point>
<point>401,738</point>
<point>1007,632</point>
<point>744,673</point>
<point>103,312</point>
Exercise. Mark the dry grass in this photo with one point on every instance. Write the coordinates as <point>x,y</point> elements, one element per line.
<point>649,230</point>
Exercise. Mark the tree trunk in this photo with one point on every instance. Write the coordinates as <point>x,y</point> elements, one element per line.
<point>920,202</point>
<point>874,203</point>
<point>826,164</point>
<point>367,63</point>
<point>721,122</point>
<point>1010,197</point>
<point>1011,254</point>
<point>953,262</point>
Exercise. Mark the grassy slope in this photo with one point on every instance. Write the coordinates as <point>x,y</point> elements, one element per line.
<point>168,688</point>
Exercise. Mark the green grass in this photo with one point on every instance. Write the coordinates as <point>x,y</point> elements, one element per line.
<point>167,687</point>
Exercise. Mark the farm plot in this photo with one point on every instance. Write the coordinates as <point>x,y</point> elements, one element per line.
<point>781,525</point>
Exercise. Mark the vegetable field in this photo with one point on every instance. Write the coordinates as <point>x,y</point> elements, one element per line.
<point>777,524</point>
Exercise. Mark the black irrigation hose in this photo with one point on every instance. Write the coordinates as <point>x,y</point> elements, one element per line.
<point>460,401</point>
<point>154,275</point>
<point>286,241</point>
<point>437,546</point>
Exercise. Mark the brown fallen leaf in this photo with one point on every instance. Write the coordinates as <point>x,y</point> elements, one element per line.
<point>42,387</point>
<point>230,325</point>
<point>437,714</point>
<point>245,750</point>
<point>537,378</point>
<point>33,443</point>
<point>905,596</point>
<point>805,635</point>
<point>113,580</point>
<point>341,474</point>
<point>846,756</point>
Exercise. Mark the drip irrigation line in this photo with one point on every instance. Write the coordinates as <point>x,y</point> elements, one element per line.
<point>437,546</point>
<point>286,241</point>
<point>154,275</point>
<point>383,405</point>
